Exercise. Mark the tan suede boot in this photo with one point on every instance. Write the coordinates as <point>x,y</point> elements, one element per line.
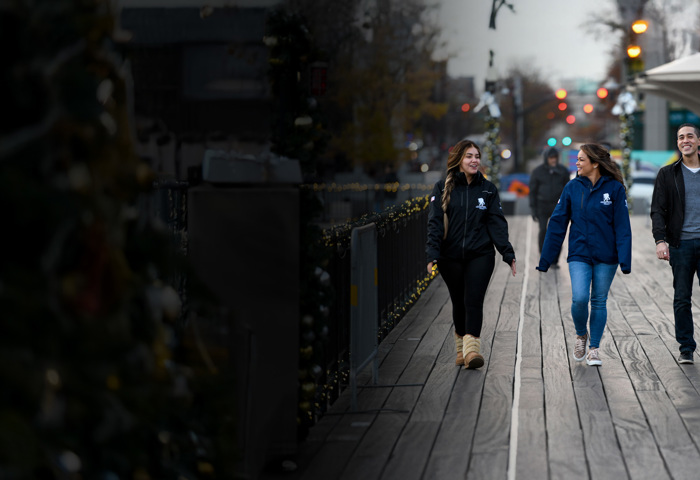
<point>458,343</point>
<point>470,349</point>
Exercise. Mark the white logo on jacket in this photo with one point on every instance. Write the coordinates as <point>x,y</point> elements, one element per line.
<point>606,199</point>
<point>482,204</point>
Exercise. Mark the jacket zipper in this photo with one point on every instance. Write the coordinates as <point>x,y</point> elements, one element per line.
<point>466,220</point>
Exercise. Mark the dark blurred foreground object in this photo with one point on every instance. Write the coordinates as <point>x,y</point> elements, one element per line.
<point>92,386</point>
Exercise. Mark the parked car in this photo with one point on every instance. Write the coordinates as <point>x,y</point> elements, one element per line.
<point>641,190</point>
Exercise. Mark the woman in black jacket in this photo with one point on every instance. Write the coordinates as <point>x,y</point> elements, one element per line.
<point>465,222</point>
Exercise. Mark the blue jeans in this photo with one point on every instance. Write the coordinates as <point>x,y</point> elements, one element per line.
<point>590,282</point>
<point>685,263</point>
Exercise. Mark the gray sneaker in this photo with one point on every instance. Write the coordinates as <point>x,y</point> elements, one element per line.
<point>580,347</point>
<point>686,357</point>
<point>593,358</point>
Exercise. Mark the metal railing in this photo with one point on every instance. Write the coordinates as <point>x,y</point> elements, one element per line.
<point>401,278</point>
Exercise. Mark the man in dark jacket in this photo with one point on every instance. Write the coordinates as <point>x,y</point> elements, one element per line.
<point>546,184</point>
<point>675,224</point>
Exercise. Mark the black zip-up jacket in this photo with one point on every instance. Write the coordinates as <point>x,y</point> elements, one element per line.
<point>475,222</point>
<point>668,204</point>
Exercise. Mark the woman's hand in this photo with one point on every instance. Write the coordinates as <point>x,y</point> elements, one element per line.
<point>430,268</point>
<point>512,266</point>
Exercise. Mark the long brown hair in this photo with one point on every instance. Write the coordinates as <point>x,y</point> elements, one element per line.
<point>600,155</point>
<point>454,159</point>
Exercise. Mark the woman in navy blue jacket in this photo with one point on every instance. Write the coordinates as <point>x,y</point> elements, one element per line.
<point>465,222</point>
<point>600,239</point>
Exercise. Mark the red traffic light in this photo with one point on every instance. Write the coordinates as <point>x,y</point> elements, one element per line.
<point>465,107</point>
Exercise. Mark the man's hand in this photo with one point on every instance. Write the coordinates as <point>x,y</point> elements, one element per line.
<point>662,251</point>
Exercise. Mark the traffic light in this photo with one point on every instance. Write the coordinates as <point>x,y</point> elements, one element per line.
<point>640,26</point>
<point>552,141</point>
<point>560,94</point>
<point>635,61</point>
<point>633,51</point>
<point>602,92</point>
<point>465,107</point>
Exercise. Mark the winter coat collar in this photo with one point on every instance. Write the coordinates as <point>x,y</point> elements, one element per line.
<point>587,182</point>
<point>461,178</point>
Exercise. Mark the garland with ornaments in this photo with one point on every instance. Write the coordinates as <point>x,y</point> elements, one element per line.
<point>625,107</point>
<point>491,150</point>
<point>319,388</point>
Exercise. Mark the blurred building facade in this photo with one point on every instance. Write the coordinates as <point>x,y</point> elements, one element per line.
<point>199,81</point>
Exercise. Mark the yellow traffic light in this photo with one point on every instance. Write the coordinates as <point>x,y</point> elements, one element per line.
<point>633,51</point>
<point>560,94</point>
<point>640,26</point>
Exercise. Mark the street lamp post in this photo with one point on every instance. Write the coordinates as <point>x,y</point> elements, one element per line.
<point>490,147</point>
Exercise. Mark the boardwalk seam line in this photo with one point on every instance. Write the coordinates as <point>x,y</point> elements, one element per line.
<point>514,415</point>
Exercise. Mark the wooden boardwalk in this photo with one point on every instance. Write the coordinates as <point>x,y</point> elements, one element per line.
<point>531,412</point>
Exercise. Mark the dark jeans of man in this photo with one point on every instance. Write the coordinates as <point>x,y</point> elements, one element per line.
<point>685,264</point>
<point>467,281</point>
<point>543,219</point>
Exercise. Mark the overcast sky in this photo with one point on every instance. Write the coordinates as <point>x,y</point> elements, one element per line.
<point>546,33</point>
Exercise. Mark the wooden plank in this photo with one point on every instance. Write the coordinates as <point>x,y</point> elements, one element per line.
<point>639,369</point>
<point>450,454</point>
<point>564,436</point>
<point>641,454</point>
<point>371,455</point>
<point>600,440</point>
<point>492,433</point>
<point>331,458</point>
<point>414,445</point>
<point>410,455</point>
<point>681,391</point>
<point>531,460</point>
<point>680,454</point>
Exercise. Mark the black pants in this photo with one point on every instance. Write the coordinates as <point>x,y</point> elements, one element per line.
<point>467,281</point>
<point>543,219</point>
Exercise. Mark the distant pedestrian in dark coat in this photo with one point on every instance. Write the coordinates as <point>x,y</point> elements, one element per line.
<point>546,184</point>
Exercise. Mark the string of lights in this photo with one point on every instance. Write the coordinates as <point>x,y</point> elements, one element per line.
<point>318,391</point>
